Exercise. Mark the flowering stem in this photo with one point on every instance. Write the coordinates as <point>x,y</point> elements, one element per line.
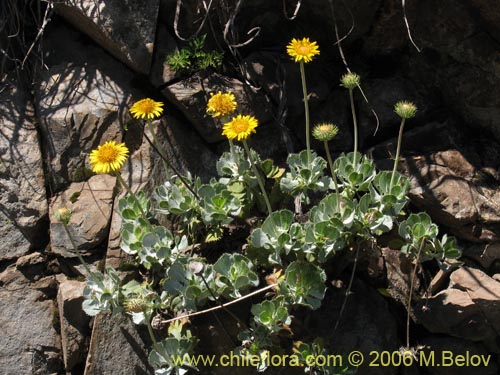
<point>132,194</point>
<point>348,291</point>
<point>150,331</point>
<point>398,150</point>
<point>257,175</point>
<point>306,110</point>
<point>355,124</point>
<point>78,254</point>
<point>412,281</point>
<point>334,176</point>
<point>157,148</point>
<point>157,145</point>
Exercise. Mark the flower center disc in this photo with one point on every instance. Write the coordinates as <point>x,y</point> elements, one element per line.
<point>108,154</point>
<point>240,126</point>
<point>303,50</point>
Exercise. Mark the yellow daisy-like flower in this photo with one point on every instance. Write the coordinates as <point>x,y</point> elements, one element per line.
<point>108,157</point>
<point>221,104</point>
<point>302,50</point>
<point>240,127</point>
<point>146,109</point>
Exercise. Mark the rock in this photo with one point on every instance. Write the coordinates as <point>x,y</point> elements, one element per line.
<point>482,289</point>
<point>74,322</point>
<point>453,178</point>
<point>485,254</point>
<point>161,74</point>
<point>458,64</point>
<point>126,29</point>
<point>23,204</point>
<point>90,203</point>
<point>191,96</point>
<point>29,343</point>
<point>82,101</point>
<point>117,347</point>
<point>31,265</point>
<point>468,309</point>
<point>443,346</point>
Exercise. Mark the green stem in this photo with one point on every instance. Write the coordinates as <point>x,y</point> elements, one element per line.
<point>411,293</point>
<point>349,287</point>
<point>158,146</point>
<point>151,333</point>
<point>257,175</point>
<point>306,110</point>
<point>355,124</point>
<point>79,255</point>
<point>132,194</point>
<point>334,176</point>
<point>398,150</point>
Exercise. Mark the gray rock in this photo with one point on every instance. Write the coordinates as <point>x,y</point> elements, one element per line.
<point>23,204</point>
<point>161,73</point>
<point>468,309</point>
<point>126,29</point>
<point>117,347</point>
<point>74,322</point>
<point>90,203</point>
<point>29,344</point>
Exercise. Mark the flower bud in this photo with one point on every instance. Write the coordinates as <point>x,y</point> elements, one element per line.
<point>63,215</point>
<point>325,132</point>
<point>405,109</point>
<point>350,80</point>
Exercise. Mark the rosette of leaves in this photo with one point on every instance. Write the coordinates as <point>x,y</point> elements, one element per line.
<point>160,247</point>
<point>304,284</point>
<point>102,293</point>
<point>322,239</point>
<point>170,356</point>
<point>174,198</point>
<point>236,173</point>
<point>420,236</point>
<point>326,210</point>
<point>184,286</point>
<point>371,219</point>
<point>129,208</point>
<point>391,200</point>
<point>272,314</point>
<point>304,176</point>
<point>354,173</point>
<point>218,204</point>
<point>234,275</point>
<point>277,235</point>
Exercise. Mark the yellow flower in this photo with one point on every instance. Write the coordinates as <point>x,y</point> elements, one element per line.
<point>146,109</point>
<point>221,104</point>
<point>240,127</point>
<point>302,50</point>
<point>108,157</point>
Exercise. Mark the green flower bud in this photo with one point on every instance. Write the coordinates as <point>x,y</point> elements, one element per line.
<point>350,80</point>
<point>325,132</point>
<point>405,109</point>
<point>63,215</point>
<point>135,305</point>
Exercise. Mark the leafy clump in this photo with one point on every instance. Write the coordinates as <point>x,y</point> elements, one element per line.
<point>193,58</point>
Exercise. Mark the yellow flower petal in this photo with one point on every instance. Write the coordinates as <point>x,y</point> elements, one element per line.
<point>221,104</point>
<point>146,109</point>
<point>108,157</point>
<point>240,127</point>
<point>302,50</point>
